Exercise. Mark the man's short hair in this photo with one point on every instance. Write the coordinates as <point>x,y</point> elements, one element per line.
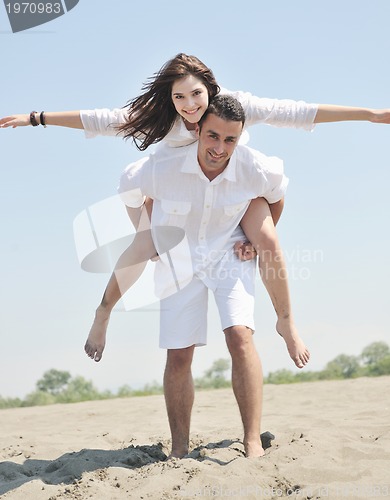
<point>226,107</point>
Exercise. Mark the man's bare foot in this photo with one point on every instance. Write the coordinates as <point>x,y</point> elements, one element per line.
<point>176,456</point>
<point>253,449</point>
<point>178,453</point>
<point>295,346</point>
<point>96,340</point>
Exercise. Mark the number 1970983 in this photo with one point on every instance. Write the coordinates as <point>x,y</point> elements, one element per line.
<point>34,8</point>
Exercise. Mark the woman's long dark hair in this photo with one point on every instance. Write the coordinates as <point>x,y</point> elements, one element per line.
<point>152,114</point>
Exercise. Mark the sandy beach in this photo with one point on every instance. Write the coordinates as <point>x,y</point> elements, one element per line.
<point>332,440</point>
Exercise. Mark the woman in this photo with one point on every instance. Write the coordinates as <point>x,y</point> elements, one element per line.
<point>168,109</point>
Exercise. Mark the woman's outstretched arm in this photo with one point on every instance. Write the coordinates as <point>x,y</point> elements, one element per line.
<point>327,113</point>
<point>70,119</point>
<point>94,122</point>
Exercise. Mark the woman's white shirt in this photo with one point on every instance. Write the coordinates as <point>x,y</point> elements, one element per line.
<point>275,112</point>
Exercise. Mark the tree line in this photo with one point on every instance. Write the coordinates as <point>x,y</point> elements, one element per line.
<point>373,361</point>
<point>57,386</point>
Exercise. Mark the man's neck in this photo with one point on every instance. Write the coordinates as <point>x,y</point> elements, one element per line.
<point>213,174</point>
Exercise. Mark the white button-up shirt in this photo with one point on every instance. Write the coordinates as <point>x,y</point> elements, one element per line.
<point>207,212</point>
<point>275,112</point>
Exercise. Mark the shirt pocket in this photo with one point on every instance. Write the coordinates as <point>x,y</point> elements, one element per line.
<point>231,211</point>
<point>175,212</point>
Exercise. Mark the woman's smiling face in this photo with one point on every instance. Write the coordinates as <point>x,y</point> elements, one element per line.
<point>190,98</point>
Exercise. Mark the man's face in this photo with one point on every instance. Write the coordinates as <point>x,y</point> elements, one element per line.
<point>217,141</point>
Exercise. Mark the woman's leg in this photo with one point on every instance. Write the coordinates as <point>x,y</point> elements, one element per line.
<point>259,228</point>
<point>243,249</point>
<point>128,269</point>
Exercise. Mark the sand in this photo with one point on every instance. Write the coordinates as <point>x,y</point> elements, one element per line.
<point>332,441</point>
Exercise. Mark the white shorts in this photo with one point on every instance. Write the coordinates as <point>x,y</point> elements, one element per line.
<point>183,315</point>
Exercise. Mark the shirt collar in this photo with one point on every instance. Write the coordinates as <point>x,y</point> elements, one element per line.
<point>191,165</point>
<point>179,135</point>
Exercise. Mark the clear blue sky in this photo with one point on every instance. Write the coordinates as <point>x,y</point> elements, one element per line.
<point>334,229</point>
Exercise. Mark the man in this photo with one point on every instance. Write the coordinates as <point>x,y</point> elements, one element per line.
<point>205,189</point>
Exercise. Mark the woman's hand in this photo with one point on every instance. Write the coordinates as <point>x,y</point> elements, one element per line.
<point>381,116</point>
<point>15,121</point>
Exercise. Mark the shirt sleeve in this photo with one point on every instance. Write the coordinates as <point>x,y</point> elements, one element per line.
<point>134,183</point>
<point>102,121</point>
<point>276,112</point>
<point>266,175</point>
<point>277,187</point>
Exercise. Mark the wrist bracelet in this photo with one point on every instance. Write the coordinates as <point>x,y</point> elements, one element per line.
<point>42,118</point>
<point>33,119</point>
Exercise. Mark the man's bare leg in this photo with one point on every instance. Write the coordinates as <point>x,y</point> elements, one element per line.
<point>247,381</point>
<point>179,397</point>
<point>260,230</point>
<point>127,271</point>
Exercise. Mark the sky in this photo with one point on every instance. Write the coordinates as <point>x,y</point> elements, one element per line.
<point>334,229</point>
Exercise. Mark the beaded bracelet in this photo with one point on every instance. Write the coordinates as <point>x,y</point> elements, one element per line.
<point>42,118</point>
<point>33,119</point>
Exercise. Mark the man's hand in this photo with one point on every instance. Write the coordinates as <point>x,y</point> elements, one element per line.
<point>244,250</point>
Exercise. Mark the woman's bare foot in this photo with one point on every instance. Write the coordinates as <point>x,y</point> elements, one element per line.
<point>295,346</point>
<point>96,340</point>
